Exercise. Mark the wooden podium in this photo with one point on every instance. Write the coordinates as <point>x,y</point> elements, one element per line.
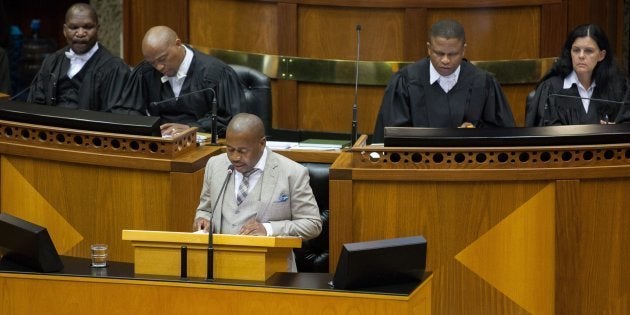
<point>239,257</point>
<point>510,230</point>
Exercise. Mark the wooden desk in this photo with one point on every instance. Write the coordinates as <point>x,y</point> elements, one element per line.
<point>87,187</point>
<point>114,290</point>
<point>512,230</point>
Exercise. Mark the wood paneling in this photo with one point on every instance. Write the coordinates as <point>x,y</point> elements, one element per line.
<point>553,29</point>
<point>140,15</point>
<point>85,198</point>
<point>329,108</point>
<point>486,35</point>
<point>238,25</point>
<point>104,295</point>
<point>484,231</point>
<point>330,33</point>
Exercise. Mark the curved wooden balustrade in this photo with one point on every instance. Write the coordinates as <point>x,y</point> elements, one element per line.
<point>97,142</point>
<point>492,158</point>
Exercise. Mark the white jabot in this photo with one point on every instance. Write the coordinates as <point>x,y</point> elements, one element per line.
<point>78,61</point>
<point>446,82</point>
<point>585,94</point>
<point>177,81</point>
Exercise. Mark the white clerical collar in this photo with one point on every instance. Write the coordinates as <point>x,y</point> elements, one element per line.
<point>183,68</point>
<point>449,80</point>
<point>78,61</point>
<point>70,54</point>
<point>585,94</point>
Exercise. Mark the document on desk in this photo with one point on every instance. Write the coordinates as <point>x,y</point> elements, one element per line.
<point>322,144</point>
<point>281,145</point>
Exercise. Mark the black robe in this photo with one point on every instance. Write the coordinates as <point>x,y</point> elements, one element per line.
<point>411,101</point>
<point>554,105</point>
<point>100,82</point>
<point>5,80</point>
<point>145,87</point>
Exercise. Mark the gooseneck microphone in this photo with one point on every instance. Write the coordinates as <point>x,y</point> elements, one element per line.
<point>210,265</point>
<point>213,110</point>
<point>37,80</point>
<point>354,136</point>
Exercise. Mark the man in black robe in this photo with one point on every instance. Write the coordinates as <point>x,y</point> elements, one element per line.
<point>443,90</point>
<point>178,83</point>
<point>83,75</point>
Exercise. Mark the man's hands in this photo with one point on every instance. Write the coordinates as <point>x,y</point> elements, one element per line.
<point>253,227</point>
<point>172,129</point>
<point>201,224</point>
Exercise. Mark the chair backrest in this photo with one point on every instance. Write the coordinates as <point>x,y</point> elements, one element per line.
<point>257,91</point>
<point>313,256</point>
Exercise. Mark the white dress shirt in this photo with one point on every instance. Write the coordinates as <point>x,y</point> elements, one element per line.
<point>177,81</point>
<point>585,94</point>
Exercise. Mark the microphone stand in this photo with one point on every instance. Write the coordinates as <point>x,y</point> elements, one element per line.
<point>210,253</point>
<point>214,136</point>
<point>354,136</point>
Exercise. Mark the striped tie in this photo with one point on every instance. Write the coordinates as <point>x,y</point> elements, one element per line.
<point>244,187</point>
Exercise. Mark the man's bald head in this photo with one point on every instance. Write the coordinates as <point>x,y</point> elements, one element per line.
<point>159,37</point>
<point>163,50</point>
<point>249,123</point>
<point>245,141</point>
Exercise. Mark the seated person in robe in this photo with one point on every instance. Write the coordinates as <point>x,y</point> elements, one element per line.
<point>83,75</point>
<point>584,86</point>
<point>444,90</point>
<point>173,83</point>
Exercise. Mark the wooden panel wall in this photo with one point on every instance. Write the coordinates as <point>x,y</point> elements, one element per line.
<point>391,30</point>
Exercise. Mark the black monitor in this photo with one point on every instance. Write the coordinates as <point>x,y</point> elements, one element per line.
<point>27,244</point>
<point>80,119</point>
<point>382,262</point>
<point>506,137</point>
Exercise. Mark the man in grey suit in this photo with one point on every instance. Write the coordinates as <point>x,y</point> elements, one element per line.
<point>268,194</point>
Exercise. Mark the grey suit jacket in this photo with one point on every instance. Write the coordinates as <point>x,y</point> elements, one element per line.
<point>286,199</point>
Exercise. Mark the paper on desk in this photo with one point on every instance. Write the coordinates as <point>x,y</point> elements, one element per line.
<point>280,145</point>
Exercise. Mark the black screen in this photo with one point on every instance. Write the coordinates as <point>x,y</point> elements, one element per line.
<point>27,244</point>
<point>80,119</point>
<point>382,262</point>
<point>502,137</point>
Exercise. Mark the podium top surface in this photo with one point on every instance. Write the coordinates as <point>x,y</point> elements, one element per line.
<point>218,239</point>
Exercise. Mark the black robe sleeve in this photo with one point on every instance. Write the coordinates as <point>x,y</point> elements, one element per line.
<point>395,106</point>
<point>134,97</point>
<point>229,93</point>
<point>496,110</point>
<point>108,82</point>
<point>5,81</point>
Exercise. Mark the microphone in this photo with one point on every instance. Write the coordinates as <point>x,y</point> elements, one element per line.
<point>605,118</point>
<point>20,93</point>
<point>214,108</point>
<point>354,136</point>
<point>37,80</point>
<point>210,265</point>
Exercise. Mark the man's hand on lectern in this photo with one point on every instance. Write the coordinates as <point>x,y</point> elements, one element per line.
<point>253,227</point>
<point>201,224</point>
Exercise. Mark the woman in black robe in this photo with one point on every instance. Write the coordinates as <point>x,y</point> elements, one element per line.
<point>584,86</point>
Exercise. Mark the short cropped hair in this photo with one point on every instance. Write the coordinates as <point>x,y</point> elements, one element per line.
<point>448,29</point>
